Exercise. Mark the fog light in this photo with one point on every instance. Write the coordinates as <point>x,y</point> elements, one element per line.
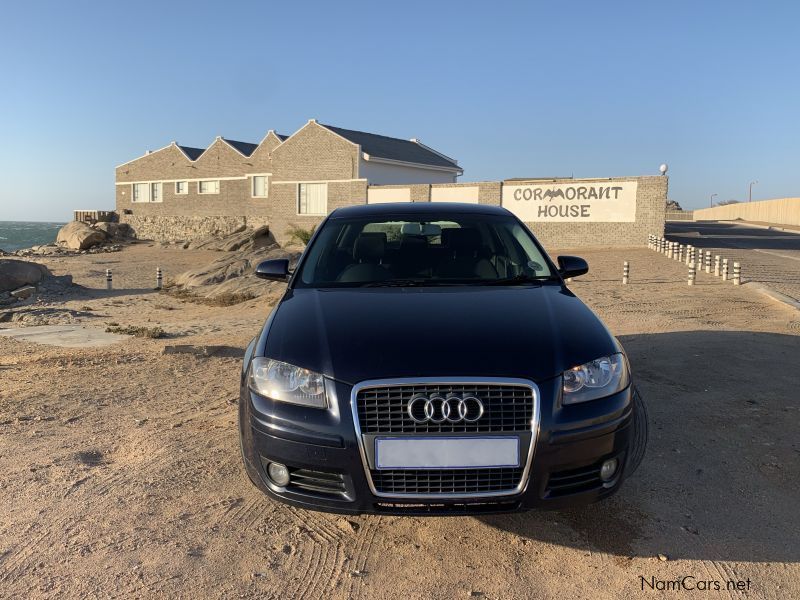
<point>278,473</point>
<point>609,469</point>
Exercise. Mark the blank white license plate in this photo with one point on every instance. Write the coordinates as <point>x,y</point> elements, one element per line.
<point>446,452</point>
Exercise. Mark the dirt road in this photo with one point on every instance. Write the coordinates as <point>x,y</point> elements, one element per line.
<point>122,478</point>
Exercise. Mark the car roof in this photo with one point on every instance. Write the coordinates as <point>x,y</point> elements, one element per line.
<point>416,209</point>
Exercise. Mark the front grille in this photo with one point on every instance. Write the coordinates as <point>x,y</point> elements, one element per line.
<point>445,481</point>
<point>574,481</point>
<point>506,408</point>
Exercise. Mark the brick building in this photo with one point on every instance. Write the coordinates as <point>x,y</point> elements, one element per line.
<point>180,192</point>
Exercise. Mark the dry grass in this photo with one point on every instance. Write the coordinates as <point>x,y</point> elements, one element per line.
<point>226,299</point>
<point>137,331</point>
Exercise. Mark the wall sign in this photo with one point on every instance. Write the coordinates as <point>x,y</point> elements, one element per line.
<point>595,202</point>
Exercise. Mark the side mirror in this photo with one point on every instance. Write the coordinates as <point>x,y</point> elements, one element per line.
<point>572,266</point>
<point>274,270</point>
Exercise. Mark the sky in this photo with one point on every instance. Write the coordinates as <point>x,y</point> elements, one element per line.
<point>510,89</point>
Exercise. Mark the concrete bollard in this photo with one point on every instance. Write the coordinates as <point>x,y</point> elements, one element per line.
<point>737,274</point>
<point>716,265</point>
<point>724,269</point>
<point>689,250</point>
<point>159,278</point>
<point>625,272</point>
<point>109,283</point>
<point>692,273</point>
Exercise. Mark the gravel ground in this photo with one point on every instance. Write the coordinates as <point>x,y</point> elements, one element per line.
<point>122,475</point>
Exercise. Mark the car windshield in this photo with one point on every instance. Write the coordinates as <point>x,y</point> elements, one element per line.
<point>455,249</point>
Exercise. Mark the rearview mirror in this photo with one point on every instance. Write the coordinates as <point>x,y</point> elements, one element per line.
<point>572,266</point>
<point>274,270</point>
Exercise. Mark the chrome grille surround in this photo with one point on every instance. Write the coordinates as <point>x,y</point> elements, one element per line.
<point>531,427</point>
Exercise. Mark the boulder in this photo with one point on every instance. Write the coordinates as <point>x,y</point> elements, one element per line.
<point>241,239</point>
<point>79,236</point>
<point>113,230</point>
<point>15,274</point>
<point>234,274</point>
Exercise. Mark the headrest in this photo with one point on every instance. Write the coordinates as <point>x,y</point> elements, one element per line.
<point>370,246</point>
<point>461,239</point>
<point>411,229</point>
<point>413,241</point>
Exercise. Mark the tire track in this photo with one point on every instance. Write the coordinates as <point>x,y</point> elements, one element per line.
<point>369,530</point>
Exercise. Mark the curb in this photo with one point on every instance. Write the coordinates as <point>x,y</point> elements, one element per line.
<point>788,300</point>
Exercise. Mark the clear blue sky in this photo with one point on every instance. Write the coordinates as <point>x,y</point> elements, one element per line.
<point>509,89</point>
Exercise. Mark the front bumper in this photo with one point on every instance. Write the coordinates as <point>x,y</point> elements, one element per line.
<point>322,450</point>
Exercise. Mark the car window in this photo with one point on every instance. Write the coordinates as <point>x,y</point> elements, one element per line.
<point>456,249</point>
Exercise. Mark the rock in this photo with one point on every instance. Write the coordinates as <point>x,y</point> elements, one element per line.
<point>241,239</point>
<point>663,557</point>
<point>79,236</point>
<point>24,292</point>
<point>15,274</point>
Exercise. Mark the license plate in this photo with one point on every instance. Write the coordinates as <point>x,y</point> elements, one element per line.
<point>446,452</point>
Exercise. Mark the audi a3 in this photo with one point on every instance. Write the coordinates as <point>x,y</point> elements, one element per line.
<point>431,359</point>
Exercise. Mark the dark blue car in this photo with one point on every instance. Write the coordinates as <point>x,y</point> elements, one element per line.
<point>429,359</point>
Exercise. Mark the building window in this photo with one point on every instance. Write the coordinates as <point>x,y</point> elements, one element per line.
<point>312,199</point>
<point>181,187</point>
<point>147,192</point>
<point>208,187</point>
<point>260,188</point>
<point>140,192</point>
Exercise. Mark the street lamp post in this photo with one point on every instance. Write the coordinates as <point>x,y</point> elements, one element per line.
<point>712,200</point>
<point>750,195</point>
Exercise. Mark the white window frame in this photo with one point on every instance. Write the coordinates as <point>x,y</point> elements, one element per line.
<point>200,186</point>
<point>133,193</point>
<point>185,188</point>
<point>308,214</point>
<point>148,194</point>
<point>156,185</point>
<point>253,186</point>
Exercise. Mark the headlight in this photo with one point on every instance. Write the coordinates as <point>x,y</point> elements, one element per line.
<point>287,383</point>
<point>595,379</point>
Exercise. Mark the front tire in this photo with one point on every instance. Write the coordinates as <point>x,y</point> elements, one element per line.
<point>640,434</point>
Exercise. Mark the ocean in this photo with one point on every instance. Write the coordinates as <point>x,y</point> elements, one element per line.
<point>15,235</point>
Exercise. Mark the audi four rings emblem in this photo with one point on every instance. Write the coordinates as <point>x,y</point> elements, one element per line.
<point>438,409</point>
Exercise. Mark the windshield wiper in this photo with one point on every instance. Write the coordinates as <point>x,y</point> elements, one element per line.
<point>395,283</point>
<point>521,278</point>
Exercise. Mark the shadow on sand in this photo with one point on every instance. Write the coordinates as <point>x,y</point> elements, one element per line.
<point>719,481</point>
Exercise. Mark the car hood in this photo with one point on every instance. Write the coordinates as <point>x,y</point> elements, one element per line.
<point>352,335</point>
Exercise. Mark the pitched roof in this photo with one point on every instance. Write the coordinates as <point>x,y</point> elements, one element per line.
<point>281,137</point>
<point>192,153</point>
<point>381,146</point>
<point>245,148</point>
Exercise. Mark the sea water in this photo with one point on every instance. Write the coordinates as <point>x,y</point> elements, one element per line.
<point>15,235</point>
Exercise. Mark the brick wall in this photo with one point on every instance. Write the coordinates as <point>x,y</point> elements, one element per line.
<point>651,198</point>
<point>315,154</point>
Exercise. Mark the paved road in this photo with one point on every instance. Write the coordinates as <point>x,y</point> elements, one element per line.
<point>768,256</point>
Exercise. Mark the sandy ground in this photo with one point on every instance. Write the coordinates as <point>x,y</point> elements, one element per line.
<point>122,477</point>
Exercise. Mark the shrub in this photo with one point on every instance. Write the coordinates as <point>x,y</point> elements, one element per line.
<point>298,234</point>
